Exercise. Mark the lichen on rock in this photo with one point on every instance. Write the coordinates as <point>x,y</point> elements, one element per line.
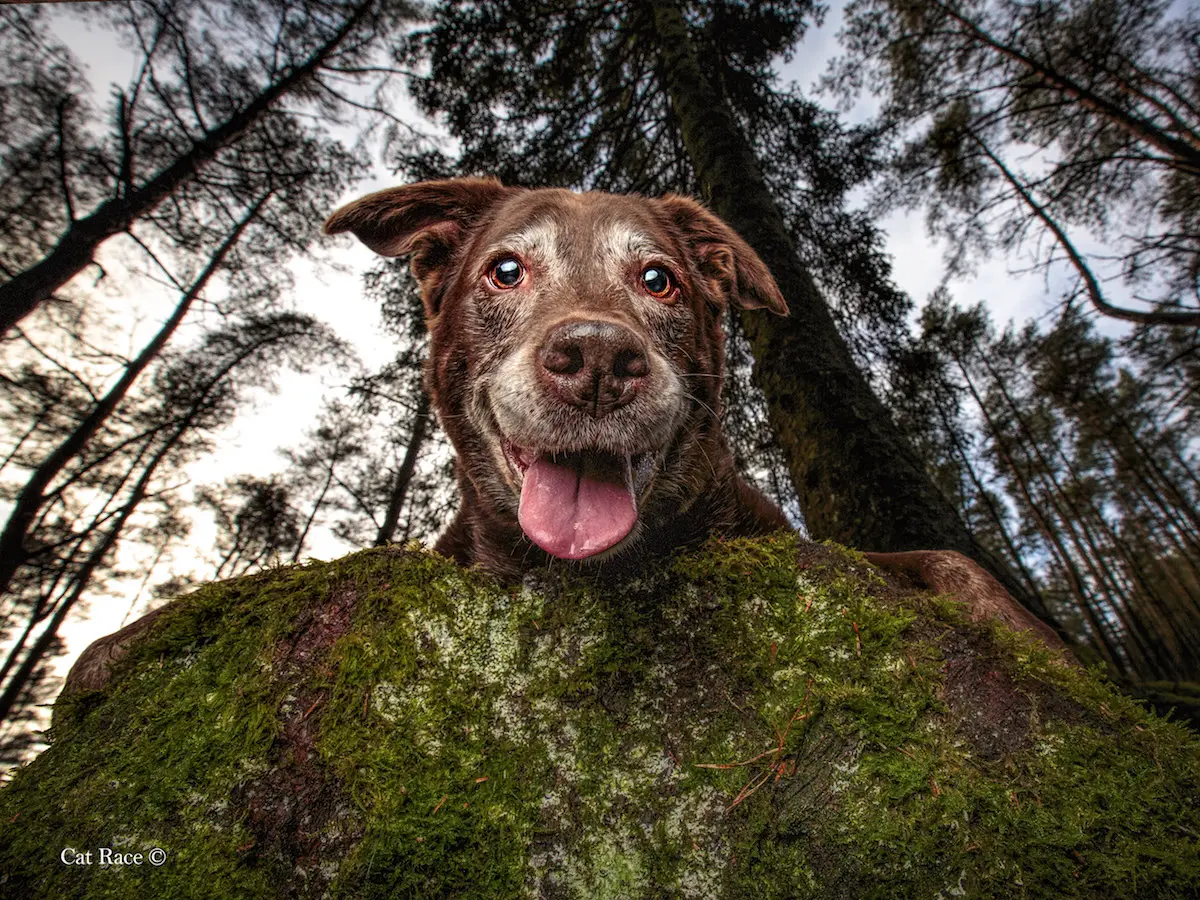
<point>752,719</point>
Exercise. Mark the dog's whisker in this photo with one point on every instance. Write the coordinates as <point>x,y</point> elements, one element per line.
<point>712,411</point>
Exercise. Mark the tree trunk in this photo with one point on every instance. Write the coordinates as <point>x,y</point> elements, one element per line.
<point>387,531</point>
<point>858,480</point>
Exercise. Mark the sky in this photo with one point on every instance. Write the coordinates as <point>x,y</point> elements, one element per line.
<point>333,293</point>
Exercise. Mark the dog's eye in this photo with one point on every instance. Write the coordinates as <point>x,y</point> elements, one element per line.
<point>657,281</point>
<point>507,273</point>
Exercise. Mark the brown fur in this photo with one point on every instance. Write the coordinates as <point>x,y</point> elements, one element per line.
<point>92,669</point>
<point>949,572</point>
<point>448,228</point>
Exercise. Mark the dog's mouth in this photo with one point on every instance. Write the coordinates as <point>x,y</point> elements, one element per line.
<point>578,504</point>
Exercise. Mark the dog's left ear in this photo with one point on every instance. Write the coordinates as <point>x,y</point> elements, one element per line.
<point>723,256</point>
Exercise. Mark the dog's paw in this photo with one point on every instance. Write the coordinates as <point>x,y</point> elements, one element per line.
<point>949,572</point>
<point>93,669</point>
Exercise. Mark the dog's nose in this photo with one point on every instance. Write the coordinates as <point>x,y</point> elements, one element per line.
<point>594,365</point>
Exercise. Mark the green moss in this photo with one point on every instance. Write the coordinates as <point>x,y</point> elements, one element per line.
<point>742,723</point>
<point>152,763</point>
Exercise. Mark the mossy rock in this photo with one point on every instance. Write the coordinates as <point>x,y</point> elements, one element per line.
<point>754,720</point>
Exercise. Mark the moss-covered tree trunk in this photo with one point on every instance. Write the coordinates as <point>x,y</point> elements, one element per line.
<point>750,721</point>
<point>859,481</point>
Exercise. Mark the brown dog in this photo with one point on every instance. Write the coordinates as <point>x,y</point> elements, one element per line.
<point>577,360</point>
<point>576,364</point>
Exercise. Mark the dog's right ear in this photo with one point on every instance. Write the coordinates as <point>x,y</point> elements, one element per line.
<point>723,255</point>
<point>426,220</point>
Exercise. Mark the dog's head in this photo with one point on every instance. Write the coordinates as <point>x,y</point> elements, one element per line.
<point>577,347</point>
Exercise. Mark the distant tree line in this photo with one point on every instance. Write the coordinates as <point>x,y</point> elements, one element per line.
<point>1069,131</point>
<point>1074,456</point>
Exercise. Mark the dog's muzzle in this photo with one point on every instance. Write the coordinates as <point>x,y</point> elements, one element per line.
<point>580,499</point>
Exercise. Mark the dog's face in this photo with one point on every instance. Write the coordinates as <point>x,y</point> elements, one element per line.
<point>577,348</point>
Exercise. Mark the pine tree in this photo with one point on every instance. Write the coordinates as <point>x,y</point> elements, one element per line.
<point>1098,96</point>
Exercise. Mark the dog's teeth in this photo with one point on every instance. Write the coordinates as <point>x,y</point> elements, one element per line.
<point>520,458</point>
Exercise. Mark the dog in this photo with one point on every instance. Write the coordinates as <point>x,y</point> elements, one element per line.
<point>577,357</point>
<point>576,362</point>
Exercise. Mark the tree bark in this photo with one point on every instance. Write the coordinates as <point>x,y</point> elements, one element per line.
<point>858,480</point>
<point>387,531</point>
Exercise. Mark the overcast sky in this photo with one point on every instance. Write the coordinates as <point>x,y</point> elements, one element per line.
<point>336,297</point>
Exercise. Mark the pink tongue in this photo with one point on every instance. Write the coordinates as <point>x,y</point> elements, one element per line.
<point>575,511</point>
